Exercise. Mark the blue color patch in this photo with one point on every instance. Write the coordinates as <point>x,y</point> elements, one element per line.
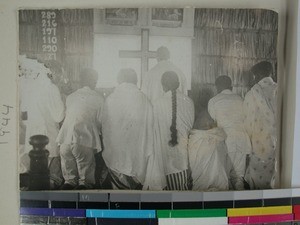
<point>69,212</point>
<point>53,212</point>
<point>120,213</point>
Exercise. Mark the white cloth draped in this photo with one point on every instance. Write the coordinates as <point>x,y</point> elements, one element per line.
<point>45,110</point>
<point>260,108</point>
<point>226,108</point>
<point>127,126</point>
<point>82,123</point>
<point>174,159</point>
<point>151,85</point>
<point>208,159</point>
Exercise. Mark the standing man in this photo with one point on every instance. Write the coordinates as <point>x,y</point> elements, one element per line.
<point>151,85</point>
<point>226,108</point>
<point>79,136</point>
<point>260,107</point>
<point>127,126</point>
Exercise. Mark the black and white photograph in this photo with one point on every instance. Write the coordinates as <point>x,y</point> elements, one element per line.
<point>150,99</point>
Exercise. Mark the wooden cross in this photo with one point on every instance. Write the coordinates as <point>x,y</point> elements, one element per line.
<point>144,54</point>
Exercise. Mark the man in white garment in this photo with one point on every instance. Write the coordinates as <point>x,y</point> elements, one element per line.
<point>79,136</point>
<point>151,84</point>
<point>42,110</point>
<point>260,107</point>
<point>127,127</point>
<point>174,118</point>
<point>226,108</point>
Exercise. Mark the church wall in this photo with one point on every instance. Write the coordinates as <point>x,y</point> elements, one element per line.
<point>74,39</point>
<point>229,42</point>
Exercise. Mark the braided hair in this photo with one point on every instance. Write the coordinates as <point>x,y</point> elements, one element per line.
<point>170,82</point>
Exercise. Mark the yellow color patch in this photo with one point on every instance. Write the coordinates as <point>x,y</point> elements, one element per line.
<point>257,211</point>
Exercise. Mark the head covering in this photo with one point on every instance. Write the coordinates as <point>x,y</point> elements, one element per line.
<point>32,69</point>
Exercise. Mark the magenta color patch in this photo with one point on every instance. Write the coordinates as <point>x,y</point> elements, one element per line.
<point>261,219</point>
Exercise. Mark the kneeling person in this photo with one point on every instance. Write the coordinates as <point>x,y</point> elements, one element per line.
<point>226,108</point>
<point>127,133</point>
<point>174,118</point>
<point>79,135</point>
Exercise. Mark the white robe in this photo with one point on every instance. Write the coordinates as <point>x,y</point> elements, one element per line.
<point>260,108</point>
<point>226,108</point>
<point>127,127</point>
<point>82,123</point>
<point>208,159</point>
<point>261,113</point>
<point>151,85</point>
<point>174,159</point>
<point>45,110</point>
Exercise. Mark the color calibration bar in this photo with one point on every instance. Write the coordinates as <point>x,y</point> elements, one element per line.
<point>184,208</point>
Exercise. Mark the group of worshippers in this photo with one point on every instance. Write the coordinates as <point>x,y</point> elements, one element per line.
<point>150,138</point>
<point>236,136</point>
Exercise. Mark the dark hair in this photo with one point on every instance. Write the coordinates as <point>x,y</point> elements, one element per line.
<point>261,70</point>
<point>88,77</point>
<point>223,82</point>
<point>170,82</point>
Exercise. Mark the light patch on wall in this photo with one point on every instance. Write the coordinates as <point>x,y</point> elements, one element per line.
<point>106,57</point>
<point>108,63</point>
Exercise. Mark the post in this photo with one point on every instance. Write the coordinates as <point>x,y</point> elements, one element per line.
<point>39,175</point>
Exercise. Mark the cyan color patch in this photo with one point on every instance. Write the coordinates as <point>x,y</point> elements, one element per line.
<point>120,213</point>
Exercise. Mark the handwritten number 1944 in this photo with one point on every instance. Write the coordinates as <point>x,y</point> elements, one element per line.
<point>5,122</point>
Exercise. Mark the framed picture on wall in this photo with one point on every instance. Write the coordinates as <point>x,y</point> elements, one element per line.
<point>121,16</point>
<point>167,17</point>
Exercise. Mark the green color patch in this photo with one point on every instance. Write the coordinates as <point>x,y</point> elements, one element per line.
<point>191,213</point>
